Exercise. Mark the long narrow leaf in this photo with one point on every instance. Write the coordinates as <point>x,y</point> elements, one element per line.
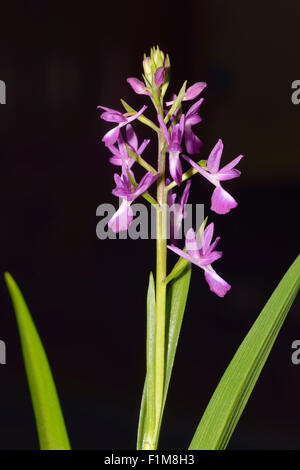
<point>48,415</point>
<point>176,301</point>
<point>234,389</point>
<point>147,411</point>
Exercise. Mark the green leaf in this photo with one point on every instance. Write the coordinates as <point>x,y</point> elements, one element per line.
<point>141,118</point>
<point>147,412</point>
<point>176,301</point>
<point>48,415</point>
<point>176,103</point>
<point>233,391</point>
<point>150,356</point>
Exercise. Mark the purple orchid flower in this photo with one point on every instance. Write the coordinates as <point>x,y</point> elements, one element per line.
<point>111,115</point>
<point>120,156</point>
<point>201,252</point>
<point>191,93</point>
<point>221,202</point>
<point>124,189</point>
<point>178,212</point>
<point>192,142</point>
<point>140,88</point>
<point>132,141</point>
<point>174,146</point>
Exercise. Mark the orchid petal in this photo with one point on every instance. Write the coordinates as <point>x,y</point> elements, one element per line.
<point>143,146</point>
<point>207,237</point>
<point>200,170</point>
<point>185,196</point>
<point>181,253</point>
<point>212,246</point>
<point>215,282</point>
<point>210,258</point>
<point>136,115</point>
<point>192,244</point>
<point>213,161</point>
<point>164,128</point>
<point>194,108</point>
<point>131,137</point>
<point>159,76</point>
<point>147,180</point>
<point>175,166</point>
<point>232,164</point>
<point>192,142</point>
<point>194,90</point>
<point>111,136</point>
<point>228,175</point>
<point>122,218</point>
<point>222,202</point>
<point>138,86</point>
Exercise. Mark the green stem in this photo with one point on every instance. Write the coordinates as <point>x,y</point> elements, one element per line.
<point>161,291</point>
<point>161,271</point>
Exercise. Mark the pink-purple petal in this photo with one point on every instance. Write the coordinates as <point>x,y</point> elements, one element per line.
<point>215,282</point>
<point>159,76</point>
<point>145,183</point>
<point>181,253</point>
<point>111,136</point>
<point>138,86</point>
<point>164,128</point>
<point>131,137</point>
<point>192,142</point>
<point>175,166</point>
<point>136,115</point>
<point>207,237</point>
<point>194,108</point>
<point>213,161</point>
<point>222,202</point>
<point>143,146</point>
<point>194,90</point>
<point>228,175</point>
<point>122,218</point>
<point>210,258</point>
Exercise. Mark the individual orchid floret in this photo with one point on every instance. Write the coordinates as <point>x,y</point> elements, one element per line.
<point>178,212</point>
<point>159,76</point>
<point>191,93</point>
<point>192,142</point>
<point>132,141</point>
<point>128,192</point>
<point>111,115</point>
<point>200,251</point>
<point>174,147</point>
<point>120,156</point>
<point>138,86</point>
<point>221,202</point>
<point>141,89</point>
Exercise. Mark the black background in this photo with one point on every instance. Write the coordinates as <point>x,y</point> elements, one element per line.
<point>59,60</point>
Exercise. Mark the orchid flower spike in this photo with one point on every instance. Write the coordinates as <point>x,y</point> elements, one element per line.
<point>221,202</point>
<point>111,115</point>
<point>174,146</point>
<point>124,189</point>
<point>200,251</point>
